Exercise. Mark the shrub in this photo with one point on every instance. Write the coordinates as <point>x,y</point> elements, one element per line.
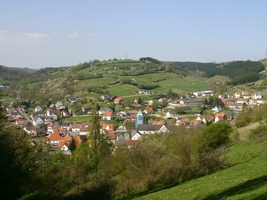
<point>259,133</point>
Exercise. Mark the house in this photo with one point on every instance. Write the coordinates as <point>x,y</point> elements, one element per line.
<point>59,105</point>
<point>133,116</point>
<point>195,122</point>
<point>105,97</point>
<point>217,109</point>
<point>192,102</point>
<point>55,138</point>
<point>205,118</point>
<point>171,114</point>
<point>221,96</point>
<point>88,110</point>
<point>63,145</point>
<point>237,94</point>
<point>38,108</point>
<point>80,127</point>
<point>24,108</point>
<point>257,95</point>
<point>84,130</point>
<point>107,127</point>
<point>160,122</point>
<point>251,101</point>
<point>36,121</point>
<point>136,136</point>
<point>136,101</point>
<point>220,117</point>
<point>51,112</point>
<point>121,129</point>
<point>183,122</point>
<point>107,116</point>
<point>230,104</point>
<point>20,122</point>
<point>198,94</point>
<point>102,110</point>
<point>162,101</point>
<point>246,95</point>
<point>148,111</point>
<point>74,99</point>
<point>118,100</point>
<point>150,102</point>
<point>144,92</point>
<point>241,100</point>
<point>260,101</point>
<point>29,130</point>
<point>151,129</point>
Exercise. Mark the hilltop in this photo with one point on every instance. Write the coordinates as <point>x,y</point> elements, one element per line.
<point>127,77</point>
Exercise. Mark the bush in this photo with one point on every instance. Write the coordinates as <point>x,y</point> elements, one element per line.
<point>218,134</point>
<point>259,133</point>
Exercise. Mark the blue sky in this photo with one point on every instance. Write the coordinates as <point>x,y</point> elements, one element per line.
<point>55,33</point>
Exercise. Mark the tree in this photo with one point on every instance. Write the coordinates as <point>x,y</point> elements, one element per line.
<point>217,134</point>
<point>72,145</point>
<point>155,105</point>
<point>129,125</point>
<point>99,146</point>
<point>17,160</point>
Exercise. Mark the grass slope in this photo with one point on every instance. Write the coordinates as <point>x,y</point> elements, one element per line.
<point>246,178</point>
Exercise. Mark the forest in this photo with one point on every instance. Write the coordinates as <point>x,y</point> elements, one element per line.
<point>238,71</point>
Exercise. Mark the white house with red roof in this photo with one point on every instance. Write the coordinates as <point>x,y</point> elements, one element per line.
<point>38,108</point>
<point>118,100</point>
<point>107,116</point>
<point>148,111</point>
<point>237,94</point>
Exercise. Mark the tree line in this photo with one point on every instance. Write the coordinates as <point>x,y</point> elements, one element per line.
<point>239,71</point>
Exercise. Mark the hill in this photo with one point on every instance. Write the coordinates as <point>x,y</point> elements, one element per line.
<point>110,76</point>
<point>244,178</point>
<point>8,74</point>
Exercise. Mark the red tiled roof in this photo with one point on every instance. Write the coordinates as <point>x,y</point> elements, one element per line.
<point>133,115</point>
<point>55,136</point>
<point>104,126</point>
<point>62,143</point>
<point>149,110</point>
<point>118,99</point>
<point>107,113</point>
<point>220,115</point>
<point>161,122</point>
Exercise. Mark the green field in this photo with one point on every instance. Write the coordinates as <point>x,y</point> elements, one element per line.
<point>2,81</point>
<point>84,118</point>
<point>245,179</point>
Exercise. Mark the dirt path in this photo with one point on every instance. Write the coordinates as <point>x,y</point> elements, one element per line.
<point>134,95</point>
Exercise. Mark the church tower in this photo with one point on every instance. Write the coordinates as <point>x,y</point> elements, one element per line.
<point>139,119</point>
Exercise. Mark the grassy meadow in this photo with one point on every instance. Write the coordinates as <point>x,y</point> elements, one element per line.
<point>244,177</point>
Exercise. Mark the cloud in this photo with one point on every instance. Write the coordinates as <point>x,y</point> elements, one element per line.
<point>90,34</point>
<point>36,35</point>
<point>75,34</point>
<point>14,37</point>
<point>253,21</point>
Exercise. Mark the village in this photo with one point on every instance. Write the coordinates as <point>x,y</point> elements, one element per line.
<point>45,123</point>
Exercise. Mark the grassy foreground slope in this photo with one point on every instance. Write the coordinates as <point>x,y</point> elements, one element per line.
<point>246,178</point>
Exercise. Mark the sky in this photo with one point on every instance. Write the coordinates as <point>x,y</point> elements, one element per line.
<point>55,33</point>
